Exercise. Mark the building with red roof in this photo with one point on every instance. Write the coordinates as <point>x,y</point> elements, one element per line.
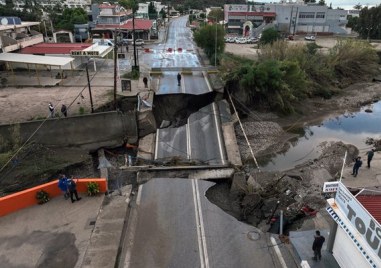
<point>54,48</point>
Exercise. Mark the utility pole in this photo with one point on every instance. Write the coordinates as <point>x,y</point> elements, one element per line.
<point>88,84</point>
<point>115,66</point>
<point>135,67</point>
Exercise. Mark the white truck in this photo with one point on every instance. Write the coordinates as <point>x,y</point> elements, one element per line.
<point>103,42</point>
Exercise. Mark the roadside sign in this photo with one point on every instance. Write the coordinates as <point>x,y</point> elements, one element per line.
<point>84,53</point>
<point>330,187</point>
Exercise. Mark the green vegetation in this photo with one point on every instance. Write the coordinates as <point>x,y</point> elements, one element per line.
<point>134,75</point>
<point>269,36</point>
<point>286,74</point>
<point>205,38</point>
<point>42,197</point>
<point>216,15</point>
<point>368,24</point>
<point>81,110</point>
<point>71,16</point>
<point>92,188</point>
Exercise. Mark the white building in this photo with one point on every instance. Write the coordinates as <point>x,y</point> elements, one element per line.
<point>85,4</point>
<point>287,17</point>
<point>355,237</point>
<point>15,34</point>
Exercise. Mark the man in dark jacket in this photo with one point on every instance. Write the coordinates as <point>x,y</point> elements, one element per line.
<point>317,245</point>
<point>370,155</point>
<point>64,110</point>
<point>72,186</point>
<point>178,79</point>
<point>356,166</point>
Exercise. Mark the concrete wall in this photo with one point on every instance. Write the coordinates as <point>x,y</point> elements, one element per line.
<point>14,202</point>
<point>87,131</point>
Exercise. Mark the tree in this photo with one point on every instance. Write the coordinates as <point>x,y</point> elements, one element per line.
<point>358,6</point>
<point>269,36</point>
<point>205,38</point>
<point>276,83</point>
<point>180,8</point>
<point>152,12</point>
<point>321,2</point>
<point>162,13</point>
<point>309,1</point>
<point>216,13</point>
<point>369,23</point>
<point>352,22</point>
<point>71,16</point>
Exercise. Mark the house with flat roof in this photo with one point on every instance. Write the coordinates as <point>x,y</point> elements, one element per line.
<point>16,34</point>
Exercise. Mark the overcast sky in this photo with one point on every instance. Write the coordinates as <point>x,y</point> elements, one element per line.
<point>346,4</point>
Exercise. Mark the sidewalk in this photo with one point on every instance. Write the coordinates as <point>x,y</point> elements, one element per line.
<point>64,234</point>
<point>302,243</point>
<point>367,177</point>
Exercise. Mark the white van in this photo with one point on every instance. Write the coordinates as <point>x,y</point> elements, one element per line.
<point>103,42</point>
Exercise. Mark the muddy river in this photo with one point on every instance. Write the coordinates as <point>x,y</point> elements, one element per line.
<point>352,128</point>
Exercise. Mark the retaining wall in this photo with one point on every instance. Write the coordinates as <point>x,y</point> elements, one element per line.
<point>89,131</point>
<point>27,198</point>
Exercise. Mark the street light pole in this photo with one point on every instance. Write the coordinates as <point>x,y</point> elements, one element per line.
<point>215,48</point>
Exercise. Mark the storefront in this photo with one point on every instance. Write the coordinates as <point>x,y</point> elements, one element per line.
<point>356,234</point>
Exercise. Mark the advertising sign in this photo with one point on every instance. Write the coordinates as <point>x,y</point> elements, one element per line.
<point>238,8</point>
<point>360,219</point>
<point>330,187</point>
<point>84,53</point>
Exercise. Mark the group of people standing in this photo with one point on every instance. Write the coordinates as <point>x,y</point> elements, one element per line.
<point>52,110</point>
<point>358,162</point>
<point>69,188</point>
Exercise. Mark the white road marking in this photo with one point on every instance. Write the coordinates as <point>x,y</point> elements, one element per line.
<point>139,197</point>
<point>278,253</point>
<point>200,249</point>
<point>203,237</point>
<point>218,133</point>
<point>187,136</point>
<point>207,81</point>
<point>156,144</point>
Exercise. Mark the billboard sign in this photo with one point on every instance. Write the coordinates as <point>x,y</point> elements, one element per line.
<point>360,219</point>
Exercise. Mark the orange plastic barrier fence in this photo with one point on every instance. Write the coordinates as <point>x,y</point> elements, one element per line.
<point>27,198</point>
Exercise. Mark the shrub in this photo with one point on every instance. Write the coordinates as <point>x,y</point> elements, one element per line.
<point>92,188</point>
<point>352,59</point>
<point>81,110</point>
<point>42,197</point>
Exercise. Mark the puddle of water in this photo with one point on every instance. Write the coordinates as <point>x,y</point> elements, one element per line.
<point>348,128</point>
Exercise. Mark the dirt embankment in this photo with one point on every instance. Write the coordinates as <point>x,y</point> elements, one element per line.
<point>298,189</point>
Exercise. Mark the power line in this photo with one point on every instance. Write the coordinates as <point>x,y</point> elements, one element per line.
<point>43,122</point>
<point>244,133</point>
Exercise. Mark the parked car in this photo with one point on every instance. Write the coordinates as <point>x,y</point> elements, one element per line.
<point>139,42</point>
<point>241,40</point>
<point>123,42</point>
<point>252,40</point>
<point>310,38</point>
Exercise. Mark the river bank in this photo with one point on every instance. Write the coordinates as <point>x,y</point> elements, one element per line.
<point>256,195</point>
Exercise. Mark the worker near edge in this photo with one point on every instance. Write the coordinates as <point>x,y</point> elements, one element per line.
<point>178,79</point>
